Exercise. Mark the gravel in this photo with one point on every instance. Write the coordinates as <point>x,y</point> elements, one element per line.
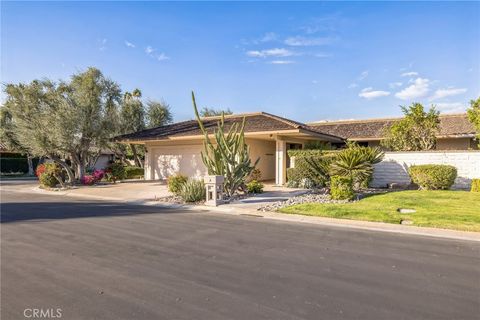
<point>316,196</point>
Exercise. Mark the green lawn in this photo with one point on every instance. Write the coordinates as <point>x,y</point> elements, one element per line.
<point>458,210</point>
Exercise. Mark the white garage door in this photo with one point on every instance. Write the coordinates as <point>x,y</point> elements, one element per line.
<point>169,160</point>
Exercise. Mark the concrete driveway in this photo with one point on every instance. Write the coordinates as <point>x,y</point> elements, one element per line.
<point>113,260</point>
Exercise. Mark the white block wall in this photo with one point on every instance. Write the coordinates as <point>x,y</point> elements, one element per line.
<point>394,167</point>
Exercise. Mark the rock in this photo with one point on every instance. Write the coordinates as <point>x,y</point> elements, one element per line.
<point>406,211</point>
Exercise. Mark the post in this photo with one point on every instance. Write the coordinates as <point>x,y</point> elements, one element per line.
<point>281,162</point>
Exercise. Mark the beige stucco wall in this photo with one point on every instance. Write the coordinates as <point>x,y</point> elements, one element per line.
<point>166,158</point>
<point>265,150</point>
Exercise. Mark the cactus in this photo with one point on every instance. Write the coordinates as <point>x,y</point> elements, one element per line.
<point>229,155</point>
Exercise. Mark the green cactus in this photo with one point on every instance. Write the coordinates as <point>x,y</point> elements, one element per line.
<point>228,155</point>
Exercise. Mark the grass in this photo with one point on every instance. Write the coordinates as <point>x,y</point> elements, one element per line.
<point>459,210</point>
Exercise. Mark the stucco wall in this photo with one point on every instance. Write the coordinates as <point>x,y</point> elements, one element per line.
<point>266,151</point>
<point>169,157</point>
<point>393,168</point>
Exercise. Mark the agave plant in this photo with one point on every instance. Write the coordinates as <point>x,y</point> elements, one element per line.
<point>229,156</point>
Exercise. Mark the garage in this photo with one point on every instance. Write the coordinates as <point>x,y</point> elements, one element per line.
<point>169,160</point>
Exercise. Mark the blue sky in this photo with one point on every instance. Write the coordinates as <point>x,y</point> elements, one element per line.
<point>306,61</point>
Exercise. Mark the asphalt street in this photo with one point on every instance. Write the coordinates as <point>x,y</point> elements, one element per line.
<point>106,260</point>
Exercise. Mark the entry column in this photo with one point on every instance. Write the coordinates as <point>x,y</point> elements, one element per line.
<point>280,162</point>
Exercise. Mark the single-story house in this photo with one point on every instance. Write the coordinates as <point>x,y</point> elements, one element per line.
<point>455,132</point>
<point>176,147</point>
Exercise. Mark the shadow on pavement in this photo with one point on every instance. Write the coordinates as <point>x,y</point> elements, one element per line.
<point>25,211</point>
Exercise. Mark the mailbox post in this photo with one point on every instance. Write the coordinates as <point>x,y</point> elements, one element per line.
<point>214,190</point>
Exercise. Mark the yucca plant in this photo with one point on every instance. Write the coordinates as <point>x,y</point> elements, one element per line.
<point>357,163</point>
<point>229,155</point>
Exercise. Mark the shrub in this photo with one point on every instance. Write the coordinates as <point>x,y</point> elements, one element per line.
<point>341,188</point>
<point>114,172</point>
<point>433,176</point>
<point>134,172</point>
<point>40,169</point>
<point>310,171</point>
<point>193,191</point>
<point>50,175</point>
<point>475,185</point>
<point>87,180</point>
<point>254,187</point>
<point>255,175</point>
<point>176,182</point>
<point>357,162</point>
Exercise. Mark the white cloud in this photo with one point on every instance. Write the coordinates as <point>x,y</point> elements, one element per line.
<point>443,93</point>
<point>269,36</point>
<point>352,85</point>
<point>103,44</point>
<point>153,53</point>
<point>451,107</point>
<point>322,55</point>
<point>395,84</point>
<point>419,88</point>
<point>363,75</point>
<point>300,41</point>
<point>369,93</point>
<point>410,74</point>
<point>275,52</point>
<point>282,62</point>
<point>149,50</point>
<point>129,44</point>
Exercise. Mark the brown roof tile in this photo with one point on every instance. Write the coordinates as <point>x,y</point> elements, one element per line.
<point>450,126</point>
<point>255,122</point>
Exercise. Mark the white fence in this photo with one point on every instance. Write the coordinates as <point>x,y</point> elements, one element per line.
<point>394,167</point>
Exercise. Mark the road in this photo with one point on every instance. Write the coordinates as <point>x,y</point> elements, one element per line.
<point>105,260</point>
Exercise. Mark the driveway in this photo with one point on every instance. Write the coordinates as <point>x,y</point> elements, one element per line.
<point>110,260</point>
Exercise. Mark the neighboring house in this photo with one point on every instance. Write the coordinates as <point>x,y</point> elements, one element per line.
<point>176,147</point>
<point>456,132</point>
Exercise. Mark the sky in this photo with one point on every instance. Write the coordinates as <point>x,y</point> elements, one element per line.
<point>306,61</point>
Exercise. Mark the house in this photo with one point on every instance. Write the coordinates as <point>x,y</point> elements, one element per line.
<point>176,147</point>
<point>455,132</point>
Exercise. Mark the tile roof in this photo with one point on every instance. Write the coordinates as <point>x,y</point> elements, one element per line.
<point>450,126</point>
<point>255,122</point>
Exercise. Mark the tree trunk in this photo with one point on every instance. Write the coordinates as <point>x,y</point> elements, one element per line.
<point>64,165</point>
<point>30,165</point>
<point>138,162</point>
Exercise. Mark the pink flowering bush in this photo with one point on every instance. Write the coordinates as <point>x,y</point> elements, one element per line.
<point>91,179</point>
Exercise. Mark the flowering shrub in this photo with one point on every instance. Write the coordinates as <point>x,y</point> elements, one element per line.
<point>40,170</point>
<point>87,180</point>
<point>98,174</point>
<point>91,179</point>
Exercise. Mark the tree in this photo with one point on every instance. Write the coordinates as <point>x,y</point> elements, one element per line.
<point>158,114</point>
<point>229,155</point>
<point>69,120</point>
<point>7,136</point>
<point>415,132</point>
<point>474,116</point>
<point>132,115</point>
<point>209,112</point>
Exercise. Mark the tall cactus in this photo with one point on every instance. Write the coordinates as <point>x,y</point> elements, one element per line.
<point>228,155</point>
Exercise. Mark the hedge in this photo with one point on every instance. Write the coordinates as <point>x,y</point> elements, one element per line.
<point>12,165</point>
<point>433,176</point>
<point>134,172</point>
<point>309,152</point>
